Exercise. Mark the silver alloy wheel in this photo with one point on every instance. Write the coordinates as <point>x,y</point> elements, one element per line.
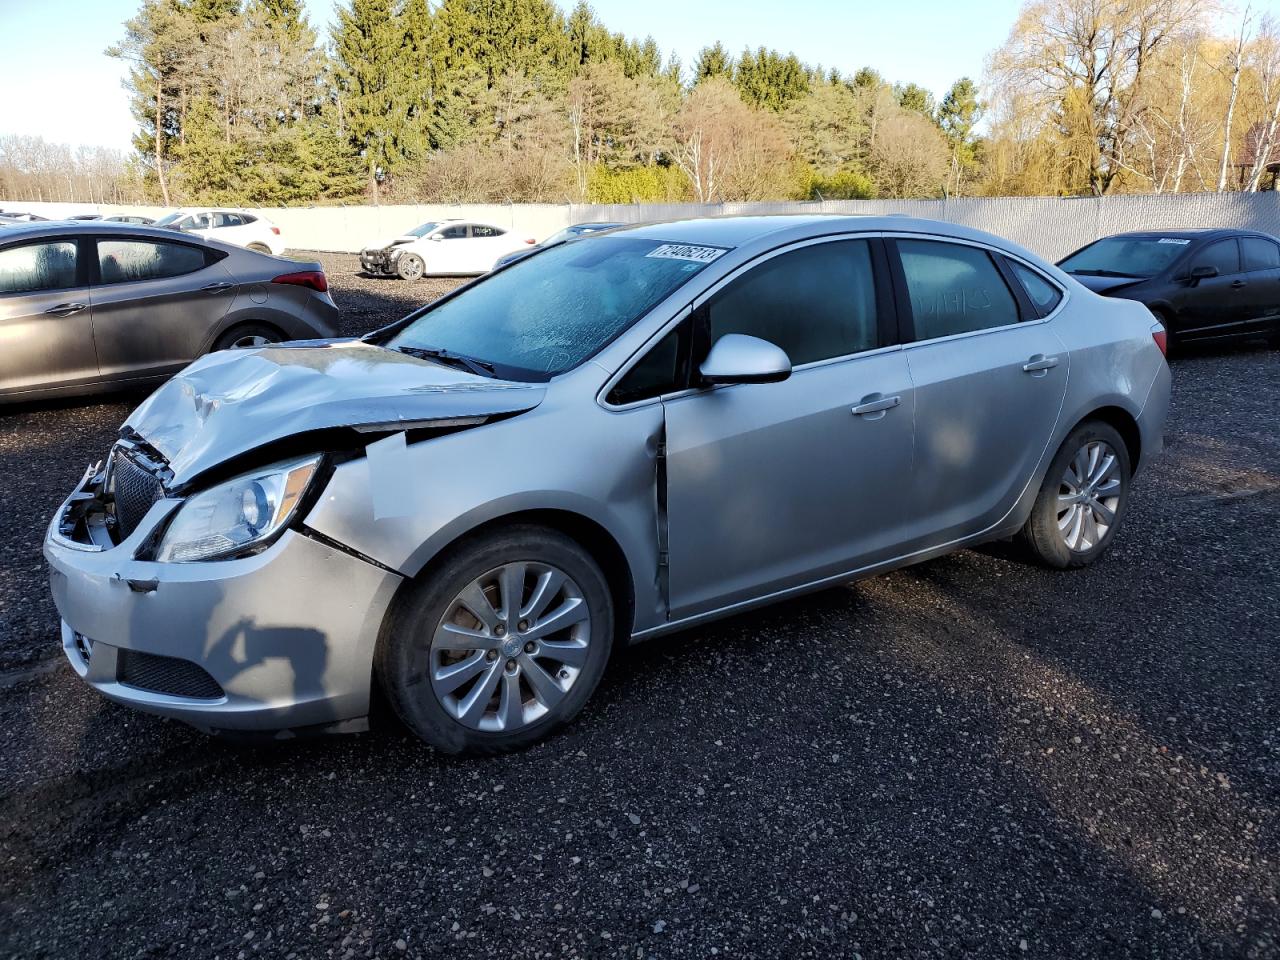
<point>412,268</point>
<point>1089,496</point>
<point>251,340</point>
<point>510,646</point>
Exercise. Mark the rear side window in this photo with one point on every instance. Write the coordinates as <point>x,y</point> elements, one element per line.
<point>1044,295</point>
<point>1259,254</point>
<point>954,289</point>
<point>227,220</point>
<point>480,230</point>
<point>815,303</point>
<point>124,261</point>
<point>38,266</point>
<point>1223,255</point>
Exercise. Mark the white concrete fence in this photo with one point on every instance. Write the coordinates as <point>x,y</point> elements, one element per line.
<point>1050,226</point>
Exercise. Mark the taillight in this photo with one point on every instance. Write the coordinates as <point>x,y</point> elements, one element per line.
<point>531,240</point>
<point>1161,337</point>
<point>315,279</point>
<point>276,231</point>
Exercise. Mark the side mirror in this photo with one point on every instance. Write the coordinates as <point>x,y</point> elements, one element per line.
<point>1204,272</point>
<point>437,237</point>
<point>738,358</point>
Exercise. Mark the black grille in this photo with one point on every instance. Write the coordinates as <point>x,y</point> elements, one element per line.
<point>135,490</point>
<point>178,678</point>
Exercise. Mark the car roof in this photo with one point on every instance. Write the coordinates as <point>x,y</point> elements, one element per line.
<point>57,228</point>
<point>770,230</point>
<point>1196,233</point>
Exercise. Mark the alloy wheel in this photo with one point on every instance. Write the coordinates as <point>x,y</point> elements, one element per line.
<point>251,340</point>
<point>1089,496</point>
<point>510,646</point>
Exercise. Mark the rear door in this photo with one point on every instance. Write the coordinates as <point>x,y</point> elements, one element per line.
<point>1260,260</point>
<point>154,302</point>
<point>1214,306</point>
<point>990,377</point>
<point>46,330</point>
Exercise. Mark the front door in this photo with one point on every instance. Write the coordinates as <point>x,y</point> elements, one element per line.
<point>45,317</point>
<point>154,304</point>
<point>1213,306</point>
<point>772,486</point>
<point>989,387</point>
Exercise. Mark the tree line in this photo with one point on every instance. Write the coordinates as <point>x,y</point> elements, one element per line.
<point>239,102</point>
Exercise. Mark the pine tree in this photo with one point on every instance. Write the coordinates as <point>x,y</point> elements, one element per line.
<point>713,61</point>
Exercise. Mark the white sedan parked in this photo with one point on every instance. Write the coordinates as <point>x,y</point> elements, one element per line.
<point>230,226</point>
<point>444,248</point>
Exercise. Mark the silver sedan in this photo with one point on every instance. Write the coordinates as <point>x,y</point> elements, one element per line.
<point>88,305</point>
<point>611,440</point>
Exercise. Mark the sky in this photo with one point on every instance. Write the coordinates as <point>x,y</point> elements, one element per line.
<point>59,84</point>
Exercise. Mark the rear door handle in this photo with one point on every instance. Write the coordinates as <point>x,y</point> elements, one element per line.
<point>217,287</point>
<point>66,309</point>
<point>1237,284</point>
<point>875,404</point>
<point>1039,363</point>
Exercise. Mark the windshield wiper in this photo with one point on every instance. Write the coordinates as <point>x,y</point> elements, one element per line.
<point>1104,273</point>
<point>481,367</point>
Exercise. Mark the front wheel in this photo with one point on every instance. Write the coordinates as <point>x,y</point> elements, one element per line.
<point>409,266</point>
<point>1083,499</point>
<point>501,644</point>
<point>248,335</point>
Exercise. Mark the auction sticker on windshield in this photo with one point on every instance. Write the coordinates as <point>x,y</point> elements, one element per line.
<point>681,251</point>
<point>1181,243</point>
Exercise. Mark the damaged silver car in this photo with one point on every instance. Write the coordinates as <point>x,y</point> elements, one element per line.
<point>606,441</point>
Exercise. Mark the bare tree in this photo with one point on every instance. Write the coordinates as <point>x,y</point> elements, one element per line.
<point>1233,67</point>
<point>1265,61</point>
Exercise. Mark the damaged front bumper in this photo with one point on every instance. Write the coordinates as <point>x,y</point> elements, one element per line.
<point>379,261</point>
<point>279,640</point>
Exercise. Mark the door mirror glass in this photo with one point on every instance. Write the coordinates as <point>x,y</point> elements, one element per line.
<point>1204,271</point>
<point>738,358</point>
<point>436,236</point>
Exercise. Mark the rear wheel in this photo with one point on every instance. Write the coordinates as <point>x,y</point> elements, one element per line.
<point>410,266</point>
<point>248,335</point>
<point>501,645</point>
<point>1083,499</point>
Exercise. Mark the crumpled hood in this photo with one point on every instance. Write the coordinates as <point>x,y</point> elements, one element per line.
<point>382,245</point>
<point>233,401</point>
<point>1106,285</point>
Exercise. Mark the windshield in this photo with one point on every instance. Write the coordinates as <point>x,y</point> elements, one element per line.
<point>421,230</point>
<point>169,218</point>
<point>1126,256</point>
<point>548,313</point>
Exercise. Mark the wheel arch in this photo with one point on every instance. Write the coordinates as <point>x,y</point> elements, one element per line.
<point>1125,424</point>
<point>588,533</point>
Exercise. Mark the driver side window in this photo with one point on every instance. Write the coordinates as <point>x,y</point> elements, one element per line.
<point>454,233</point>
<point>1224,255</point>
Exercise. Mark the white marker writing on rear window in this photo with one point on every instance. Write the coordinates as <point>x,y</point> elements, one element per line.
<point>1181,243</point>
<point>680,251</point>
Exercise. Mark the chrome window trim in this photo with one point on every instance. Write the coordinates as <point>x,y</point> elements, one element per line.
<point>701,298</point>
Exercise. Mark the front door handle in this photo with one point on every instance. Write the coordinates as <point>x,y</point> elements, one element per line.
<point>1237,284</point>
<point>66,309</point>
<point>874,406</point>
<point>216,287</point>
<point>1039,364</point>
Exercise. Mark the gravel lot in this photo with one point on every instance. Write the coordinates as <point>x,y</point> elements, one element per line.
<point>971,757</point>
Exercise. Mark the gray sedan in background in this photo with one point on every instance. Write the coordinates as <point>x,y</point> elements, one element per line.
<point>609,440</point>
<point>87,306</point>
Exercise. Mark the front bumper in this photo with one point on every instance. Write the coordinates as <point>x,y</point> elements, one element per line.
<point>285,636</point>
<point>378,261</point>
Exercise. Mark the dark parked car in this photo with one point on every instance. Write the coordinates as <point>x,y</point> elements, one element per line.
<point>560,236</point>
<point>88,306</point>
<point>1201,284</point>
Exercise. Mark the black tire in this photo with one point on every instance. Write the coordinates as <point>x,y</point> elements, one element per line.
<point>409,266</point>
<point>403,662</point>
<point>1041,533</point>
<point>245,334</point>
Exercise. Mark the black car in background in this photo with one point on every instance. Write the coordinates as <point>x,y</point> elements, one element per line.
<point>1201,284</point>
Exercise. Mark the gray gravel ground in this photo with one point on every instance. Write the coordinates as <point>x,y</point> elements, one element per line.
<point>972,757</point>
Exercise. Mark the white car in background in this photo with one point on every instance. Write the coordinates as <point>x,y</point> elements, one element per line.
<point>230,226</point>
<point>442,248</point>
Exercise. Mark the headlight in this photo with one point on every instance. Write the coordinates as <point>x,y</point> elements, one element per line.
<point>238,514</point>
